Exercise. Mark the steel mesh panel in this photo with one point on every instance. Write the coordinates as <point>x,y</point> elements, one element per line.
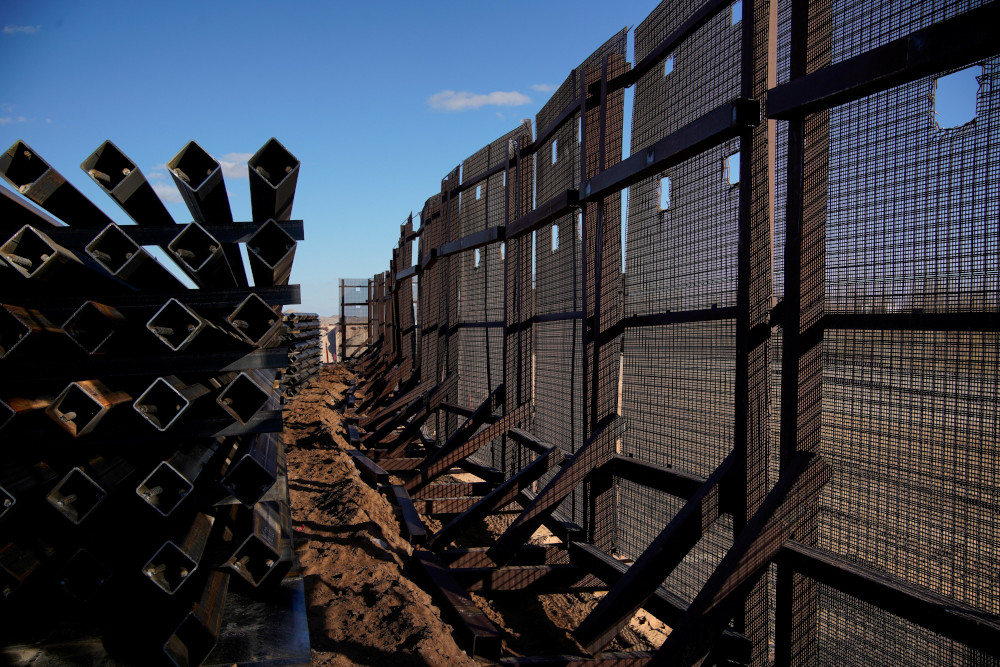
<point>914,211</point>
<point>706,71</point>
<point>860,26</point>
<point>842,637</point>
<point>909,426</point>
<point>639,505</point>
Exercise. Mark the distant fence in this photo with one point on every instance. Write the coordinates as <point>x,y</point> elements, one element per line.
<point>355,319</point>
<point>806,323</point>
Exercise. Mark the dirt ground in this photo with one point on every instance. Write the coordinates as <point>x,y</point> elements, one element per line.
<point>364,598</point>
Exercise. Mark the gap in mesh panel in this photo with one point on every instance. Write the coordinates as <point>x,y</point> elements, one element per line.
<point>914,211</point>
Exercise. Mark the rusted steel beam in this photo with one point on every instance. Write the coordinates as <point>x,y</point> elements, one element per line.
<point>590,456</point>
<point>432,506</point>
<point>664,604</point>
<point>123,258</point>
<point>93,325</point>
<point>934,612</point>
<point>464,444</point>
<point>782,513</point>
<point>504,495</point>
<point>253,469</point>
<point>371,472</point>
<point>193,638</point>
<point>172,480</point>
<point>271,251</point>
<point>479,636</point>
<point>125,183</point>
<point>655,564</point>
<point>82,405</point>
<point>538,579</point>
<point>84,488</point>
<point>255,545</point>
<point>415,531</point>
<point>623,659</point>
<point>199,179</point>
<point>166,399</point>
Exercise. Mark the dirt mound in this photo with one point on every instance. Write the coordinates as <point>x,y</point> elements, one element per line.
<point>363,606</point>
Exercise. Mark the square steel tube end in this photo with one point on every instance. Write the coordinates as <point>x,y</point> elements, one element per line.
<point>193,166</point>
<point>92,325</point>
<point>16,325</point>
<point>76,496</point>
<point>194,637</point>
<point>253,474</point>
<point>7,501</point>
<point>161,404</point>
<point>29,252</point>
<point>83,576</point>
<point>243,398</point>
<point>273,173</point>
<point>164,489</point>
<point>254,320</point>
<point>79,408</point>
<point>108,166</point>
<point>274,249</point>
<point>196,248</point>
<point>254,560</point>
<point>274,163</point>
<point>114,250</point>
<point>169,568</point>
<point>176,325</point>
<point>22,167</point>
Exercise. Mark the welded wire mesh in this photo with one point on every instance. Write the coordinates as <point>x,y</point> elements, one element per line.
<point>909,416</point>
<point>678,380</point>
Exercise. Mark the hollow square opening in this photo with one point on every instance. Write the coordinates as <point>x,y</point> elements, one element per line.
<point>253,319</point>
<point>112,248</point>
<point>27,251</point>
<point>25,167</point>
<point>76,496</point>
<point>92,325</point>
<point>273,162</point>
<point>169,568</point>
<point>271,244</point>
<point>176,325</point>
<point>193,165</point>
<point>190,644</point>
<point>253,560</point>
<point>161,404</point>
<point>76,409</point>
<point>243,398</point>
<point>108,166</point>
<point>164,488</point>
<point>248,481</point>
<point>195,247</point>
<point>7,501</point>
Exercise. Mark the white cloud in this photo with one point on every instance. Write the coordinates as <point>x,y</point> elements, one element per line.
<point>543,87</point>
<point>449,100</point>
<point>234,165</point>
<point>7,108</point>
<point>26,29</point>
<point>167,193</point>
<point>7,120</point>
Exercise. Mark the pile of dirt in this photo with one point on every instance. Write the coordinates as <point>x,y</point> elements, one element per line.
<point>362,603</point>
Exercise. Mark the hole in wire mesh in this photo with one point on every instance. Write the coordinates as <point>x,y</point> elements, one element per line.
<point>731,169</point>
<point>668,65</point>
<point>955,97</point>
<point>555,238</point>
<point>663,193</point>
<point>736,12</point>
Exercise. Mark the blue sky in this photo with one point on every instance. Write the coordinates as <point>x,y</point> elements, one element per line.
<point>378,100</point>
<point>346,87</point>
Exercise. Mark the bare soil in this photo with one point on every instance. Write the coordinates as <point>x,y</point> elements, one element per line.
<point>364,598</point>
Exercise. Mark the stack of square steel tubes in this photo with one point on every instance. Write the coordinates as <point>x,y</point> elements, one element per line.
<point>142,474</point>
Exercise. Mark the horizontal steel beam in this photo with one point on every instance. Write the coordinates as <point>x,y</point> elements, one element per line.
<point>947,44</point>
